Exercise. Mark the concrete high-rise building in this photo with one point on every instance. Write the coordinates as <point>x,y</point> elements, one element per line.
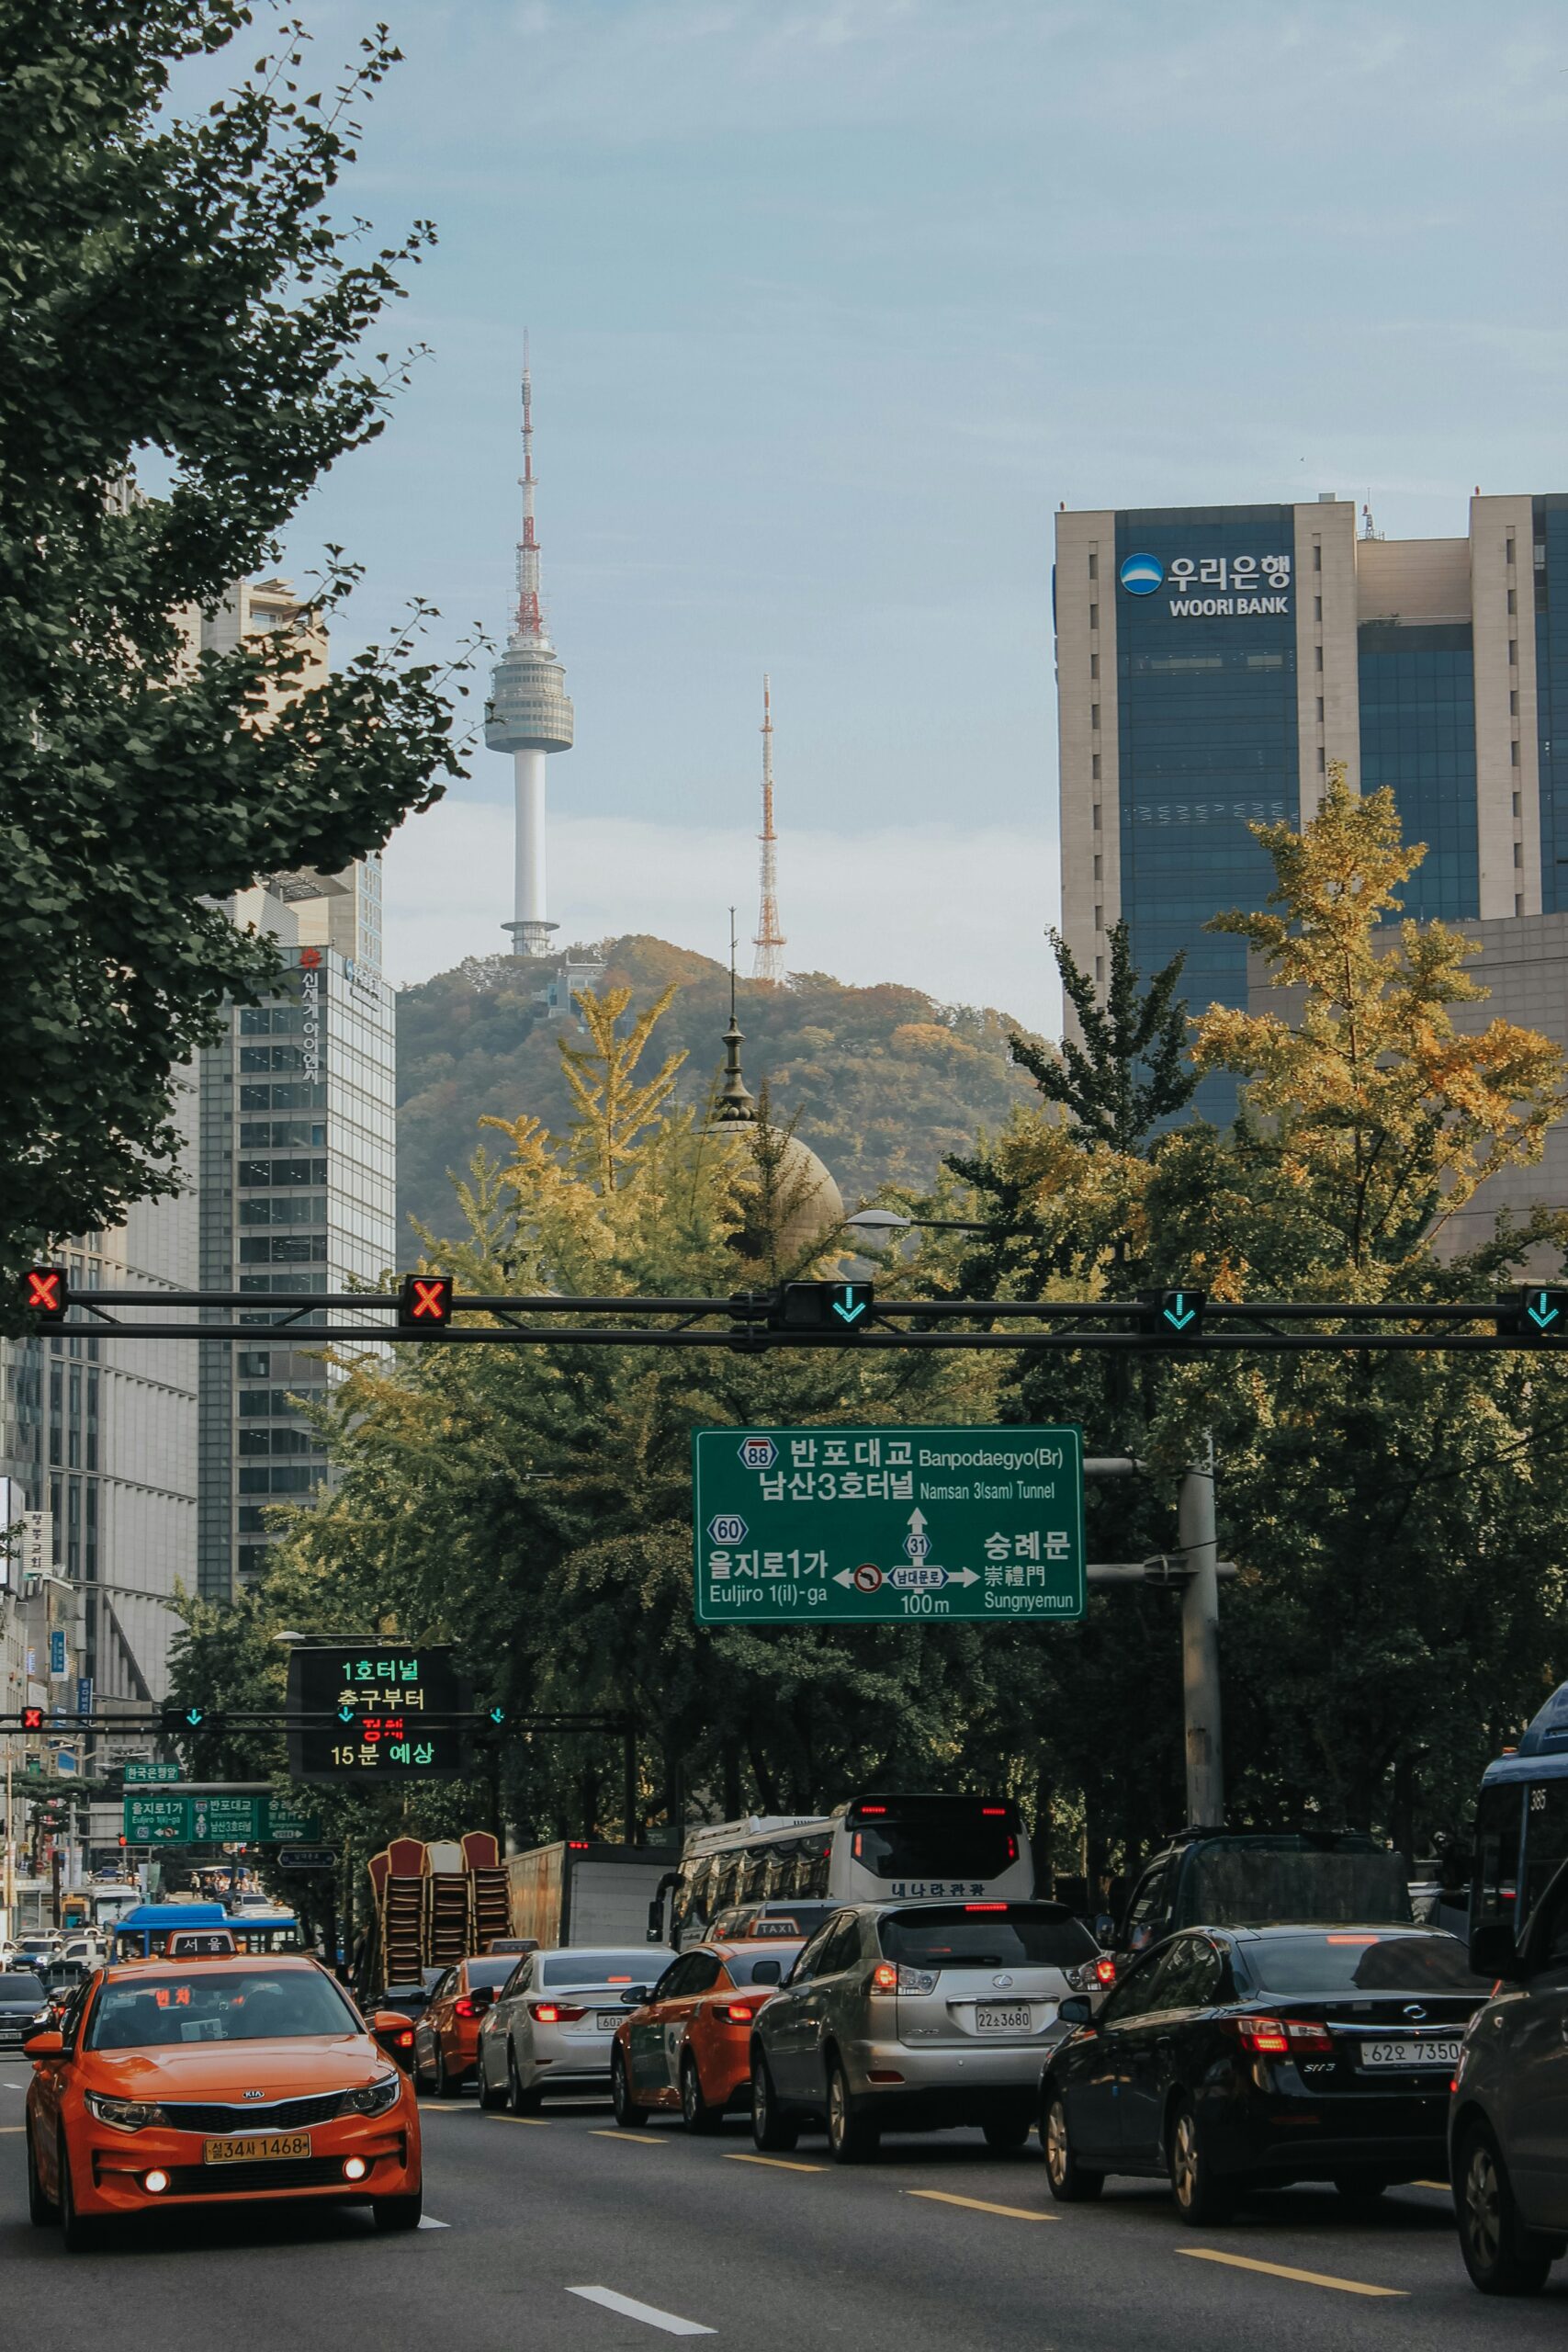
<point>1211,662</point>
<point>529,713</point>
<point>297,1171</point>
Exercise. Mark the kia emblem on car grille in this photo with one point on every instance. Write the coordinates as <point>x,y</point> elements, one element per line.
<point>1413,2009</point>
<point>1000,1981</point>
<point>255,2094</point>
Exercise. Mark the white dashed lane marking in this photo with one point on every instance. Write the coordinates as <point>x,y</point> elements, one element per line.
<point>426,2223</point>
<point>668,2322</point>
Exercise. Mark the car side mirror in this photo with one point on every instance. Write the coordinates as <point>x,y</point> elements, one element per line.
<point>482,1995</point>
<point>1492,1951</point>
<point>635,1995</point>
<point>393,2031</point>
<point>1076,2010</point>
<point>766,1972</point>
<point>44,2041</point>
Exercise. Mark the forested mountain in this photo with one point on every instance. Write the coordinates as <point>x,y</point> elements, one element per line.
<point>882,1081</point>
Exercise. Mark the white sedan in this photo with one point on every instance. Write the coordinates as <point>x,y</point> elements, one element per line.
<point>551,2025</point>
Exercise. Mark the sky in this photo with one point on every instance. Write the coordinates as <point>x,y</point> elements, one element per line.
<point>831,304</point>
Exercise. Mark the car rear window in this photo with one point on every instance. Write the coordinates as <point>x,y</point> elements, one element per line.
<point>603,1967</point>
<point>20,1991</point>
<point>1345,1962</point>
<point>777,1963</point>
<point>986,1935</point>
<point>491,1971</point>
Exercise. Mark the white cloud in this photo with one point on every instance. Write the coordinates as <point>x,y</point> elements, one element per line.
<point>959,912</point>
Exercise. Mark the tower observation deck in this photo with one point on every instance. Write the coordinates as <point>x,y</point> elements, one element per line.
<point>529,713</point>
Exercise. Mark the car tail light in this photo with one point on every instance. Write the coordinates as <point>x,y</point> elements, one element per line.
<point>1282,2037</point>
<point>884,1978</point>
<point>554,2013</point>
<point>405,2039</point>
<point>917,1980</point>
<point>984,1906</point>
<point>740,2012</point>
<point>1105,1969</point>
<point>993,1812</point>
<point>466,2008</point>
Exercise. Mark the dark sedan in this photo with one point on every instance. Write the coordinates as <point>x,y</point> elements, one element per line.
<point>1230,2056</point>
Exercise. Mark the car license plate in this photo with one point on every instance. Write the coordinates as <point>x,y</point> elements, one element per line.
<point>260,2147</point>
<point>1003,2017</point>
<point>608,2020</point>
<point>1412,2054</point>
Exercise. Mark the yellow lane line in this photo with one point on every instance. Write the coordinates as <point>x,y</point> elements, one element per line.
<point>780,2164</point>
<point>1443,2185</point>
<point>638,2139</point>
<point>430,2107</point>
<point>13,2127</point>
<point>1283,2270</point>
<point>979,2205</point>
<point>539,2122</point>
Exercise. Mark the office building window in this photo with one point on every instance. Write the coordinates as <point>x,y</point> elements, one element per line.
<point>1509,550</point>
<point>1317,555</point>
<point>1513,600</point>
<point>1321,760</point>
<point>1099,918</point>
<point>1318,650</point>
<point>1094,717</point>
<point>1519,853</point>
<point>1100,971</point>
<point>1418,704</point>
<point>1099,815</point>
<point>1094,616</point>
<point>1093,565</point>
<point>1099,868</point>
<point>1514,753</point>
<point>1094,665</point>
<point>1519,906</point>
<point>1094,766</point>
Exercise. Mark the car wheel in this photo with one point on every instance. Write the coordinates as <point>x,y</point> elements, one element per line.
<point>627,2114</point>
<point>852,2137</point>
<point>42,2212</point>
<point>398,2213</point>
<point>443,2083</point>
<point>423,2081</point>
<point>1502,2256</point>
<point>81,2236</point>
<point>489,2097</point>
<point>771,2131</point>
<point>1009,2129</point>
<point>521,2101</point>
<point>1070,2183</point>
<point>697,2114</point>
<point>1202,2196</point>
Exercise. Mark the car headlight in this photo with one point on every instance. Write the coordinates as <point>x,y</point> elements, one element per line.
<point>124,2114</point>
<point>376,2098</point>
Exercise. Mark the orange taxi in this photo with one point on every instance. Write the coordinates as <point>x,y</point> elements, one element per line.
<point>206,2074</point>
<point>690,2046</point>
<point>447,2032</point>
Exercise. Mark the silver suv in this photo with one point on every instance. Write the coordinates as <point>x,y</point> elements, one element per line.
<point>915,2016</point>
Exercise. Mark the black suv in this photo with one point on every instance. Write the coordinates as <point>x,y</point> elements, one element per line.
<point>1248,1878</point>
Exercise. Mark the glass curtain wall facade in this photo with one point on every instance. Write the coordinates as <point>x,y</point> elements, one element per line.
<point>1207,735</point>
<point>1418,714</point>
<point>297,1199</point>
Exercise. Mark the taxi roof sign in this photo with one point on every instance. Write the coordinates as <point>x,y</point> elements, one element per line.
<point>202,1943</point>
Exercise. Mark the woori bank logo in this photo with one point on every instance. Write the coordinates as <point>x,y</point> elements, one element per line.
<point>1141,574</point>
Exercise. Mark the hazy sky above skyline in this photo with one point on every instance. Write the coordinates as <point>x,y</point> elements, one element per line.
<point>831,301</point>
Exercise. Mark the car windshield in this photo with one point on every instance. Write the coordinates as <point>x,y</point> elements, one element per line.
<point>602,1968</point>
<point>986,1935</point>
<point>1360,1963</point>
<point>219,2004</point>
<point>19,1990</point>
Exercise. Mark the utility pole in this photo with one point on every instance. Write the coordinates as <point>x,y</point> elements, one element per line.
<point>1201,1646</point>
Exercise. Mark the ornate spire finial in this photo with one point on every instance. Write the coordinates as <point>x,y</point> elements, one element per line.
<point>734,1104</point>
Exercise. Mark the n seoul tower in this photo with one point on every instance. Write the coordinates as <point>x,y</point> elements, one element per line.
<point>529,713</point>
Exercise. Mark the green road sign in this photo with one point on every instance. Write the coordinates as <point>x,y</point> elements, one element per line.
<point>139,1774</point>
<point>877,1526</point>
<point>203,1816</point>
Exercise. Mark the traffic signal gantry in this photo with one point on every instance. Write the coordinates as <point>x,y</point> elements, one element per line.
<point>426,1307</point>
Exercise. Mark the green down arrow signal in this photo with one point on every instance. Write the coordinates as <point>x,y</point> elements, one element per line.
<point>1177,1314</point>
<point>193,1717</point>
<point>850,1307</point>
<point>498,1714</point>
<point>1541,1310</point>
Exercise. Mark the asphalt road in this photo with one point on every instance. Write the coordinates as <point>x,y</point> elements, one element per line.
<point>942,2246</point>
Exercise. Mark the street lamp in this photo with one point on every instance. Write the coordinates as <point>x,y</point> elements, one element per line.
<point>873,1222</point>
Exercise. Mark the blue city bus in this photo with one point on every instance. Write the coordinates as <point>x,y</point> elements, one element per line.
<point>144,1934</point>
<point>1521,1822</point>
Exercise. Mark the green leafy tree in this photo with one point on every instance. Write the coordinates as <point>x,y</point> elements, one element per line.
<point>1134,1069</point>
<point>174,289</point>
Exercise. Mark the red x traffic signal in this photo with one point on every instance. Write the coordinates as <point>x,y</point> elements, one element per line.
<point>33,1718</point>
<point>425,1303</point>
<point>46,1294</point>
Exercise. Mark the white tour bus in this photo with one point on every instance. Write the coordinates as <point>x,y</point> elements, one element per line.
<point>875,1849</point>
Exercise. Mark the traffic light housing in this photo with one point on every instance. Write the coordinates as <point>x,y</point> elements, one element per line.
<point>1172,1314</point>
<point>1535,1313</point>
<point>33,1718</point>
<point>837,1310</point>
<point>180,1721</point>
<point>46,1294</point>
<point>425,1302</point>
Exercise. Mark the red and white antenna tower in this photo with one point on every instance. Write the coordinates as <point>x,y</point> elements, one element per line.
<point>770,941</point>
<point>530,612</point>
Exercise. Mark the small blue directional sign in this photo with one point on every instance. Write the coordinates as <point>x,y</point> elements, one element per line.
<point>1179,1314</point>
